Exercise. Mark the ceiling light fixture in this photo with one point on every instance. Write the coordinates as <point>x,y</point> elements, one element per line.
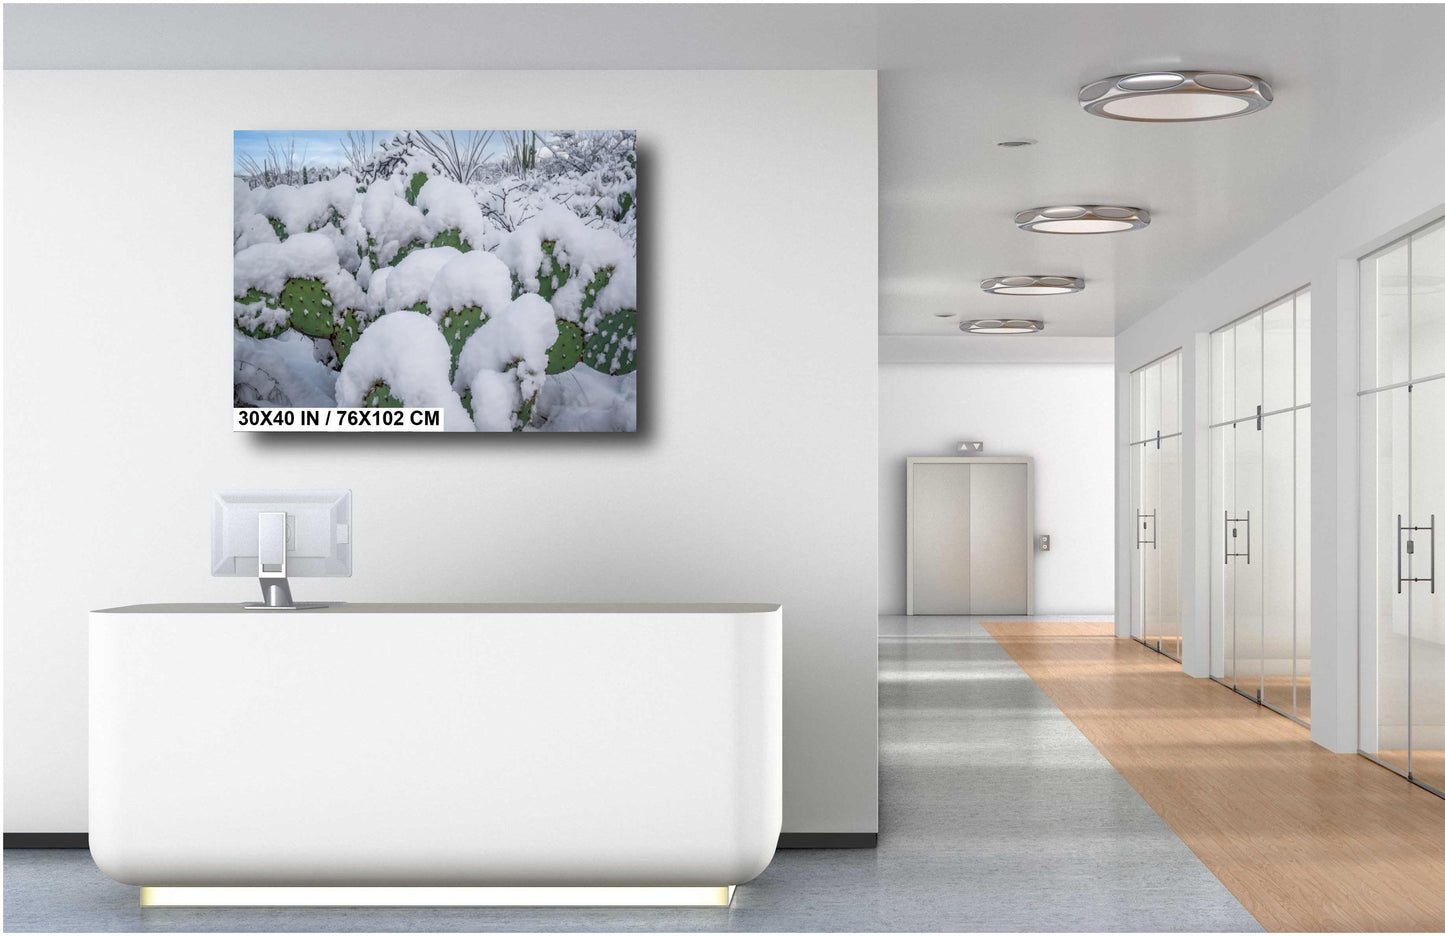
<point>1002,326</point>
<point>1034,285</point>
<point>1015,144</point>
<point>1082,219</point>
<point>944,314</point>
<point>1175,96</point>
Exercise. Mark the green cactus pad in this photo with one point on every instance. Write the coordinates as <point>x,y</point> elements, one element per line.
<point>310,306</point>
<point>380,395</point>
<point>417,181</point>
<point>451,238</point>
<point>347,331</point>
<point>252,297</point>
<point>589,295</point>
<point>401,254</point>
<point>607,350</point>
<point>551,276</point>
<point>458,326</point>
<point>278,227</point>
<point>566,351</point>
<point>524,415</point>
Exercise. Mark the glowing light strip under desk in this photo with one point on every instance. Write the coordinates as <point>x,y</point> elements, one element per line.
<point>186,896</point>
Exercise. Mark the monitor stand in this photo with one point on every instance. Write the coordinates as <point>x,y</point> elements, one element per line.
<point>271,563</point>
<point>276,595</point>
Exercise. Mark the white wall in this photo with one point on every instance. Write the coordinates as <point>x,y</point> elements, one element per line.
<point>1061,414</point>
<point>118,375</point>
<point>1320,247</point>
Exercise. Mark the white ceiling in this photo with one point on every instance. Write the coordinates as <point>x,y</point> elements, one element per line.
<point>1350,82</point>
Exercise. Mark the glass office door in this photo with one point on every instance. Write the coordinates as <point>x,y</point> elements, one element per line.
<point>1259,499</point>
<point>1402,500</point>
<point>1156,491</point>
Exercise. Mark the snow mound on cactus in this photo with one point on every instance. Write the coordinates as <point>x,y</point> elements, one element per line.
<point>584,400</point>
<point>267,267</point>
<point>261,316</point>
<point>620,292</point>
<point>405,351</point>
<point>410,280</point>
<point>389,220</point>
<point>376,291</point>
<point>253,228</point>
<point>474,279</point>
<point>586,250</point>
<point>303,207</point>
<point>281,371</point>
<point>450,205</point>
<point>504,363</point>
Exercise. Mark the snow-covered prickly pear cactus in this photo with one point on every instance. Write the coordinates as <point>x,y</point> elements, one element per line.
<point>458,326</point>
<point>567,350</point>
<point>380,395</point>
<point>260,315</point>
<point>612,349</point>
<point>348,329</point>
<point>310,306</point>
<point>417,181</point>
<point>451,237</point>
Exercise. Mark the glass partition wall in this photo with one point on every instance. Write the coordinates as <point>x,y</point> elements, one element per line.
<point>1259,450</point>
<point>1155,490</point>
<point>1402,501</point>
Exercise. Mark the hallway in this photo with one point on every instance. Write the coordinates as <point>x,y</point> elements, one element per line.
<point>1308,840</point>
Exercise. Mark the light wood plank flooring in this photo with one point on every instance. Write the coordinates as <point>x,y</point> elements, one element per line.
<point>1307,840</point>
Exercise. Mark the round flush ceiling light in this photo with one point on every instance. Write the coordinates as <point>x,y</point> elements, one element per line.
<point>1082,219</point>
<point>1002,326</point>
<point>1032,285</point>
<point>1175,96</point>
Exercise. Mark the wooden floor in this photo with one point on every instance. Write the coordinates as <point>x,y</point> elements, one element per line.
<point>1306,840</point>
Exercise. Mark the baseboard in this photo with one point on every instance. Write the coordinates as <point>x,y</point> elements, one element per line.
<point>47,840</point>
<point>828,840</point>
<point>786,840</point>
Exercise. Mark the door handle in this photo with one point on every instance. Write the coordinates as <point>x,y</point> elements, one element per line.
<point>1400,531</point>
<point>1142,535</point>
<point>1231,532</point>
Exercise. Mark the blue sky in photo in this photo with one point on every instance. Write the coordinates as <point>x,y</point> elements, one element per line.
<point>319,147</point>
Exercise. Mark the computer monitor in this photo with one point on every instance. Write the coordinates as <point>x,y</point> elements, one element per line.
<point>273,535</point>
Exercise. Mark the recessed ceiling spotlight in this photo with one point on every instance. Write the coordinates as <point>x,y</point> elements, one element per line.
<point>1173,96</point>
<point>1082,219</point>
<point>1032,285</point>
<point>1002,326</point>
<point>1014,144</point>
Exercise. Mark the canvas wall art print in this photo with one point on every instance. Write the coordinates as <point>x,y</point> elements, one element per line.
<point>488,277</point>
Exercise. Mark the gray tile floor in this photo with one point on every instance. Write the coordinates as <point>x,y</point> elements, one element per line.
<point>997,814</point>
